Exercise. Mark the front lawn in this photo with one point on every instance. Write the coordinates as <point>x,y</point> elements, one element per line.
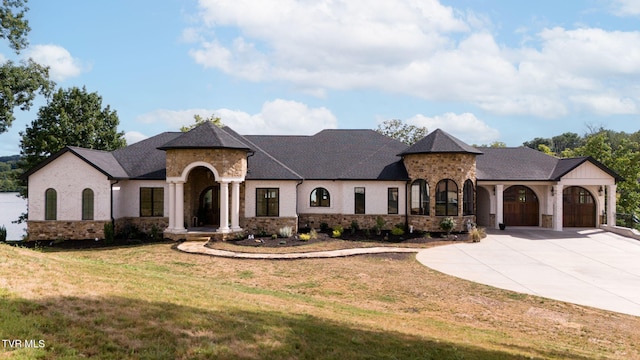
<point>152,302</point>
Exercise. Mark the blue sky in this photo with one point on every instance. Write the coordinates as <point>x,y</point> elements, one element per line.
<point>483,70</point>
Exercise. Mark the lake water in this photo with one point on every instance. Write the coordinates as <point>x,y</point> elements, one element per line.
<point>11,206</point>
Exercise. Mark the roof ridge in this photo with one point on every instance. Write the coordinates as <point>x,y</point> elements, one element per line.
<point>269,155</point>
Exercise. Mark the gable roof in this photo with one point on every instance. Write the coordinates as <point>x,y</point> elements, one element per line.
<point>102,161</point>
<point>440,141</point>
<point>526,164</point>
<point>207,135</point>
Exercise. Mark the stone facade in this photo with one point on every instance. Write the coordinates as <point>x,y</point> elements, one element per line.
<point>65,230</point>
<point>364,221</point>
<point>229,163</point>
<point>144,224</point>
<point>433,168</point>
<point>270,225</point>
<point>547,221</point>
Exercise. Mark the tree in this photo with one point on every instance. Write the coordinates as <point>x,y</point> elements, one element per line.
<point>73,117</point>
<point>408,134</point>
<point>199,120</point>
<point>18,83</point>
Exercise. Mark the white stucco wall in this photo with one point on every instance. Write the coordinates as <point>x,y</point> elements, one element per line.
<point>69,176</point>
<point>287,201</point>
<point>126,200</point>
<point>342,195</point>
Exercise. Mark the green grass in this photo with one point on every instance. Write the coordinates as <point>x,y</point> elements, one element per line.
<point>152,302</point>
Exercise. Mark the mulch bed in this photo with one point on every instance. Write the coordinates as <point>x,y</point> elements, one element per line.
<point>355,237</point>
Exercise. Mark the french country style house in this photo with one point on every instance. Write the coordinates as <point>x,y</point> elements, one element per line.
<point>214,180</point>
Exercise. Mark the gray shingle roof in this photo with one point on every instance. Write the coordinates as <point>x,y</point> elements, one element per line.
<point>440,141</point>
<point>526,164</point>
<point>206,135</point>
<point>337,154</point>
<point>143,160</point>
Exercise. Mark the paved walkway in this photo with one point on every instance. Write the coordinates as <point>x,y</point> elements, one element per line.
<point>197,247</point>
<point>587,267</point>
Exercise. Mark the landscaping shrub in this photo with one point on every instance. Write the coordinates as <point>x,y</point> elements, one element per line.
<point>354,226</point>
<point>305,237</point>
<point>286,232</point>
<point>313,234</point>
<point>477,234</point>
<point>447,224</point>
<point>337,231</point>
<point>397,231</point>
<point>109,233</point>
<point>3,233</point>
<point>324,227</point>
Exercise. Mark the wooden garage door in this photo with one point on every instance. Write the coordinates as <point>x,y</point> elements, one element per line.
<point>521,207</point>
<point>578,208</point>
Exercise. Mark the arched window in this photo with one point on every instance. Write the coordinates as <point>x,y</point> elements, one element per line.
<point>320,198</point>
<point>467,198</point>
<point>419,197</point>
<point>87,204</point>
<point>447,198</point>
<point>50,205</point>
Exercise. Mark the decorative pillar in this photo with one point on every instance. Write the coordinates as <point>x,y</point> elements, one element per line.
<point>557,207</point>
<point>172,206</point>
<point>499,189</point>
<point>224,207</point>
<point>611,204</point>
<point>235,206</point>
<point>179,208</point>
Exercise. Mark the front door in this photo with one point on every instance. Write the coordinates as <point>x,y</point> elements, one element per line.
<point>209,208</point>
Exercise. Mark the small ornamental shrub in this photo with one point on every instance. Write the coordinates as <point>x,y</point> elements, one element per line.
<point>313,234</point>
<point>447,224</point>
<point>286,232</point>
<point>324,227</point>
<point>3,233</point>
<point>477,234</point>
<point>336,234</point>
<point>274,236</point>
<point>109,233</point>
<point>397,231</point>
<point>354,226</point>
<point>305,237</point>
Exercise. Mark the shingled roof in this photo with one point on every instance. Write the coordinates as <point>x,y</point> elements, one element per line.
<point>207,135</point>
<point>440,141</point>
<point>526,164</point>
<point>337,155</point>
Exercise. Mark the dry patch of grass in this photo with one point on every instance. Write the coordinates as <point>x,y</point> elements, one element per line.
<point>154,302</point>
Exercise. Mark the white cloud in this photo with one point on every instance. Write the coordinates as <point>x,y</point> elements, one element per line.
<point>467,127</point>
<point>62,65</point>
<point>133,137</point>
<point>626,7</point>
<point>420,48</point>
<point>606,104</point>
<point>278,117</point>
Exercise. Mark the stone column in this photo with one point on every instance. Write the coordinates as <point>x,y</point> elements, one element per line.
<point>235,206</point>
<point>557,207</point>
<point>179,208</point>
<point>172,206</point>
<point>224,207</point>
<point>611,205</point>
<point>499,189</point>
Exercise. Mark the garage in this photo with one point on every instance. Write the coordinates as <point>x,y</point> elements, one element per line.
<point>578,207</point>
<point>521,207</point>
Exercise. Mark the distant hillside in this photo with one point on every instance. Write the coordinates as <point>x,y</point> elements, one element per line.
<point>9,173</point>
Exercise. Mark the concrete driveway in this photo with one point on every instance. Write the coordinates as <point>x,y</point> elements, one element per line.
<point>582,266</point>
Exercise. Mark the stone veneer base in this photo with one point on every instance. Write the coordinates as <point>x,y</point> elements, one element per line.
<point>65,230</point>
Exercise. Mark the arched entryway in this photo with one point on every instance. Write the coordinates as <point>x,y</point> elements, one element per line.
<point>521,207</point>
<point>209,206</point>
<point>578,207</point>
<point>483,216</point>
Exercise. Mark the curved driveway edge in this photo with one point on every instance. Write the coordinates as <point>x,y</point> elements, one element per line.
<point>584,266</point>
<point>197,247</point>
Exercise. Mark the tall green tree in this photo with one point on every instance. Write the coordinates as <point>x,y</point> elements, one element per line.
<point>399,130</point>
<point>19,83</point>
<point>623,158</point>
<point>199,120</point>
<point>73,117</point>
